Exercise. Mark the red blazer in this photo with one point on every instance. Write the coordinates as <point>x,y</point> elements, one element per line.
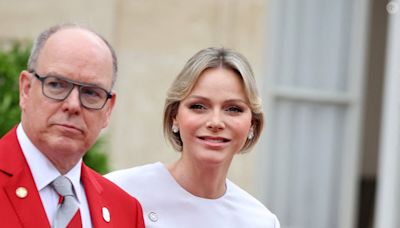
<point>124,210</point>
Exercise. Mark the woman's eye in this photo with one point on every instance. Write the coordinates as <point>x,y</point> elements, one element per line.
<point>197,106</point>
<point>234,109</point>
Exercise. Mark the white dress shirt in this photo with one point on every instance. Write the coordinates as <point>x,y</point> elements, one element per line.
<point>44,172</point>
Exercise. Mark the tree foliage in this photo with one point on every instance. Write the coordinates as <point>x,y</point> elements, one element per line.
<point>13,59</point>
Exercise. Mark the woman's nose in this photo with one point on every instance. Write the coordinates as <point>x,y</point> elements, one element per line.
<point>216,122</point>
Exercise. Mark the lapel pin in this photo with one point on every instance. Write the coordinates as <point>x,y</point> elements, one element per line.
<point>106,214</point>
<point>21,192</point>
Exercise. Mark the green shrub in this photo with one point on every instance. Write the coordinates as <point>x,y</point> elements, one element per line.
<point>13,60</point>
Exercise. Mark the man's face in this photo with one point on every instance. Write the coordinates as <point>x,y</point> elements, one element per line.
<point>65,130</point>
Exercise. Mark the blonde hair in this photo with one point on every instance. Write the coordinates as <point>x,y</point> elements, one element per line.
<point>185,81</point>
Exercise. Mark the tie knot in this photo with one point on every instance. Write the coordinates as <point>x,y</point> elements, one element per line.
<point>63,186</point>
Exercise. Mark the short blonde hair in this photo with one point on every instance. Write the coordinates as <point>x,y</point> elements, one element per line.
<point>185,81</point>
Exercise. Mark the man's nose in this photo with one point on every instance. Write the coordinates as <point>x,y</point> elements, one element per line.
<point>72,103</point>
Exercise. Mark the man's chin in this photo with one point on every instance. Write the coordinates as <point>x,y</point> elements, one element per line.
<point>67,145</point>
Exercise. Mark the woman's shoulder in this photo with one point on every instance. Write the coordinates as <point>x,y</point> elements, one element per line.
<point>250,204</point>
<point>136,176</point>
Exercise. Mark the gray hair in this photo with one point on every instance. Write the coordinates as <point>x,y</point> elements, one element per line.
<point>45,35</point>
<point>187,78</point>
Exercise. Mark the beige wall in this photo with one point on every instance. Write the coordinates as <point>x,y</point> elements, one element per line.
<point>153,40</point>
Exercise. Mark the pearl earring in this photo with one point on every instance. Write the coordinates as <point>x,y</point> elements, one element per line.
<point>175,129</point>
<point>250,136</point>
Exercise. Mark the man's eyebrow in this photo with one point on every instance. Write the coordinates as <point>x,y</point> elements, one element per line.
<point>57,75</point>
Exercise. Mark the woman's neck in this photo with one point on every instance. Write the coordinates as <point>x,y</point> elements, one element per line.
<point>202,181</point>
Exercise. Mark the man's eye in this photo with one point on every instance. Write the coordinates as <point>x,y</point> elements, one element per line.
<point>90,92</point>
<point>56,84</point>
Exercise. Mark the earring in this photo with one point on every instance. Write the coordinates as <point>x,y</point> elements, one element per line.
<point>175,129</point>
<point>250,136</point>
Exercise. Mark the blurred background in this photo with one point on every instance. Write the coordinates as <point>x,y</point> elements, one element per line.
<point>329,73</point>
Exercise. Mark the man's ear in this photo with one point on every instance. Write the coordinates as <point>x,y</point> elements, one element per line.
<point>109,108</point>
<point>25,84</point>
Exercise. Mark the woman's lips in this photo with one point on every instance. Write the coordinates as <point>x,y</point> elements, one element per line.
<point>214,143</point>
<point>214,139</point>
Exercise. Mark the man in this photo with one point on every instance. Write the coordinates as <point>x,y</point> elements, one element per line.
<point>66,100</point>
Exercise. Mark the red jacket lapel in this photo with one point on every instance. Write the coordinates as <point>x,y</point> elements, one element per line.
<point>14,174</point>
<point>93,192</point>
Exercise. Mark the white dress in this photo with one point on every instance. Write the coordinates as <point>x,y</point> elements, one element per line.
<point>166,204</point>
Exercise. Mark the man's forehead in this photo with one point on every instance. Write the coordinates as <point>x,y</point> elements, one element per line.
<point>75,43</point>
<point>77,55</point>
<point>76,36</point>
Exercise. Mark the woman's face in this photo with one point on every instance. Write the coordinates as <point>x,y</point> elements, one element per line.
<point>214,119</point>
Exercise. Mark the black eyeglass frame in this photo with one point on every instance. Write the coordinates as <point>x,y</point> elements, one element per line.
<point>74,83</point>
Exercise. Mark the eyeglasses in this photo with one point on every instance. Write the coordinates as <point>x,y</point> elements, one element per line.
<point>57,88</point>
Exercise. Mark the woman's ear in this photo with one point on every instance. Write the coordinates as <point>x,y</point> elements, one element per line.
<point>250,135</point>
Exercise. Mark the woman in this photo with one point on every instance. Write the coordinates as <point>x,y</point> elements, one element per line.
<point>212,112</point>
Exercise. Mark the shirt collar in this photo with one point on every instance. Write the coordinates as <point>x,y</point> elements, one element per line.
<point>43,171</point>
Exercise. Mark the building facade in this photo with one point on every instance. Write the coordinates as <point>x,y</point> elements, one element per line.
<point>329,73</point>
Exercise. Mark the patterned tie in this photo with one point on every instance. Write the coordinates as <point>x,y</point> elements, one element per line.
<point>67,209</point>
